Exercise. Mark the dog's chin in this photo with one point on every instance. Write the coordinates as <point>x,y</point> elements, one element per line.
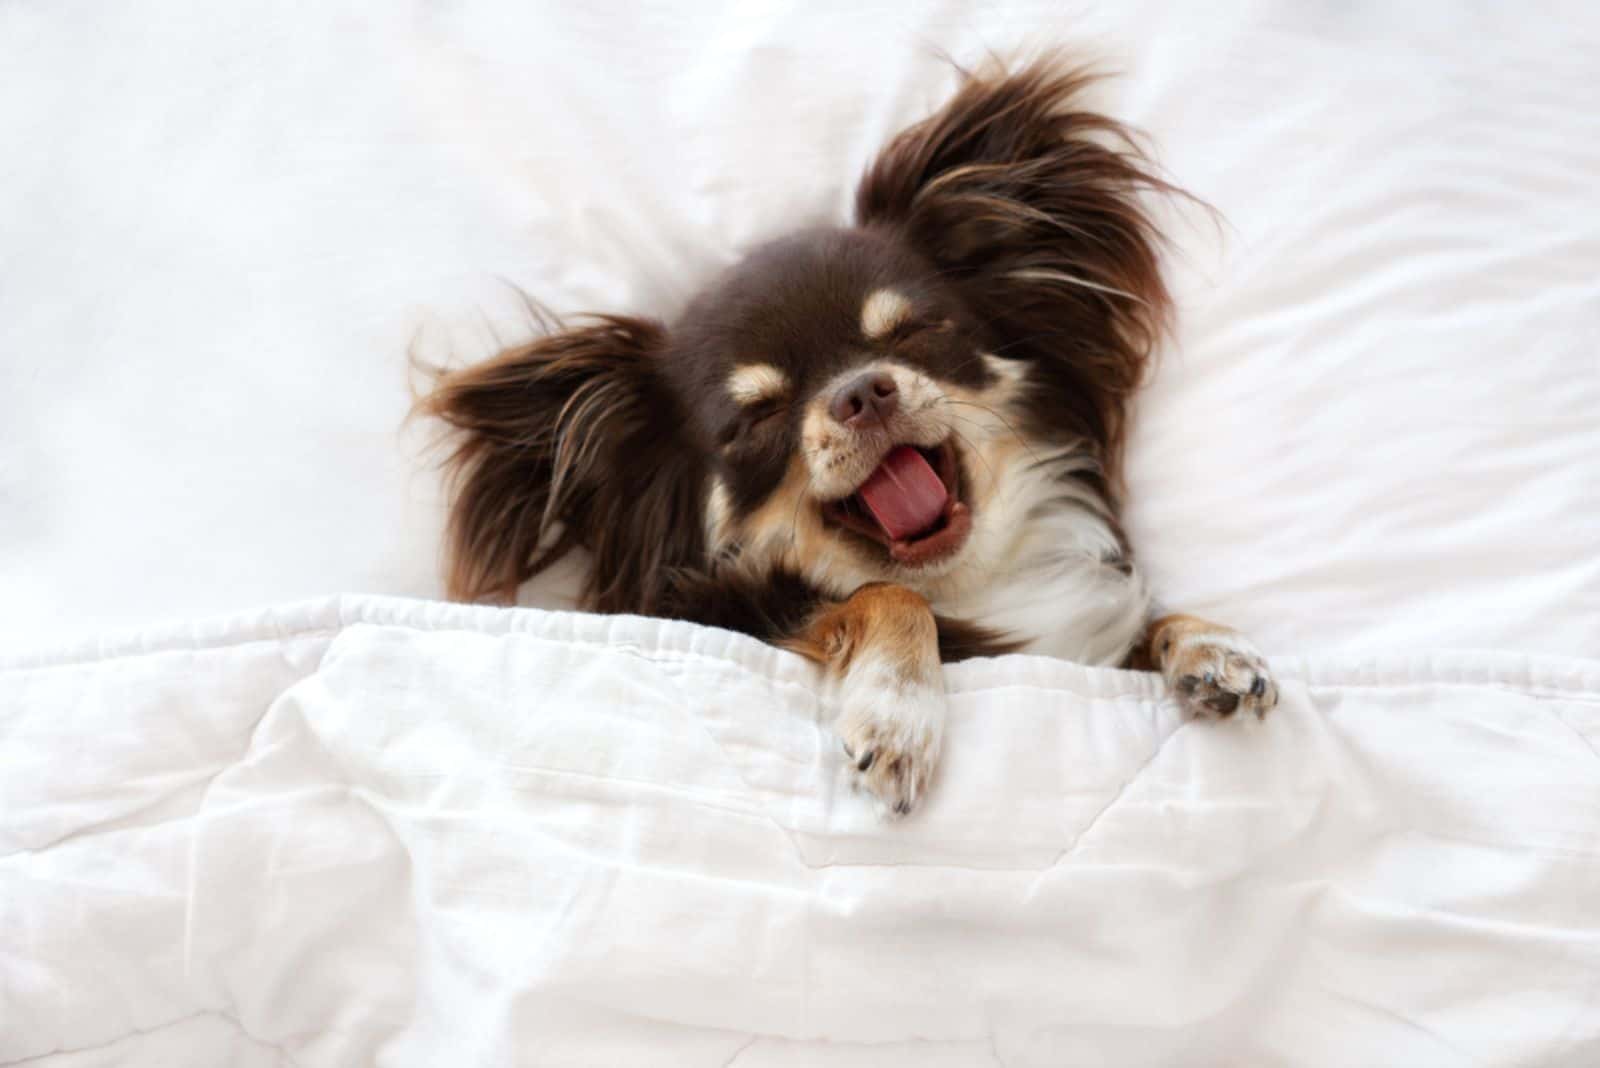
<point>929,548</point>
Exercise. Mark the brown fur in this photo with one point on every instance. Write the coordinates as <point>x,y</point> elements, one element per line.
<point>891,620</point>
<point>1034,206</point>
<point>570,441</point>
<point>1159,636</point>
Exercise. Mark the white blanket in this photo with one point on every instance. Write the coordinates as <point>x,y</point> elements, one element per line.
<point>376,831</point>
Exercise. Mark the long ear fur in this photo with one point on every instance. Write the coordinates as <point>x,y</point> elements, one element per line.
<point>570,441</point>
<point>1032,206</point>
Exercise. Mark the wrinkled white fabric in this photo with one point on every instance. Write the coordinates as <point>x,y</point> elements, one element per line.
<point>372,831</point>
<point>369,831</point>
<point>223,226</point>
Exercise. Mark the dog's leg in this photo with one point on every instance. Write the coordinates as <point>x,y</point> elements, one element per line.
<point>1210,669</point>
<point>882,648</point>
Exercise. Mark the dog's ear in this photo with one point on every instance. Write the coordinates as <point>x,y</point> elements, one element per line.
<point>572,440</point>
<point>1032,206</point>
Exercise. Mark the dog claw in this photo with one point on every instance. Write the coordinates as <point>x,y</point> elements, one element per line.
<point>1218,677</point>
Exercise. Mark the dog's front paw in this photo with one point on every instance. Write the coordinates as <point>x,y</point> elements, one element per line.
<point>1211,670</point>
<point>882,648</point>
<point>892,734</point>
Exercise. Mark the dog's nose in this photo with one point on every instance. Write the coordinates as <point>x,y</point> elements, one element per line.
<point>866,400</point>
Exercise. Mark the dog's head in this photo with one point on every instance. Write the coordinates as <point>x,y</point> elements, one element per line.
<point>889,401</point>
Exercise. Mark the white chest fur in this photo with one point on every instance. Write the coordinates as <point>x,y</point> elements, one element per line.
<point>1049,583</point>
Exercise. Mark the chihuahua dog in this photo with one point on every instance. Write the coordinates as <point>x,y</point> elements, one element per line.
<point>884,446</point>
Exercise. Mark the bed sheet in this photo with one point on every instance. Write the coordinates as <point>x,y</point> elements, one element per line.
<point>223,227</point>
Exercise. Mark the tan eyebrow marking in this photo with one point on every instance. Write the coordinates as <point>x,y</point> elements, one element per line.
<point>882,311</point>
<point>1010,372</point>
<point>756,382</point>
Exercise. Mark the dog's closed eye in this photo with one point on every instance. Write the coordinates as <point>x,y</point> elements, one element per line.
<point>754,419</point>
<point>914,328</point>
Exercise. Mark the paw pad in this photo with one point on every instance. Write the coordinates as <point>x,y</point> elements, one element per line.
<point>1218,675</point>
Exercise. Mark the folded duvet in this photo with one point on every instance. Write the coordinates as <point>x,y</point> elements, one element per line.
<point>372,831</point>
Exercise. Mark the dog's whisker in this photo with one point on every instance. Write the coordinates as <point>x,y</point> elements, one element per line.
<point>1028,339</point>
<point>973,449</point>
<point>1017,434</point>
<point>794,519</point>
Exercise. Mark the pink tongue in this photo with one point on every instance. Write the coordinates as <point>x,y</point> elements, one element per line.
<point>904,494</point>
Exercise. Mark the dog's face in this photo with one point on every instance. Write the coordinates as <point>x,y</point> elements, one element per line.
<point>893,401</point>
<point>849,409</point>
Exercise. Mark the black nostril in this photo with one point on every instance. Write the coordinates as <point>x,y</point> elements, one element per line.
<point>866,399</point>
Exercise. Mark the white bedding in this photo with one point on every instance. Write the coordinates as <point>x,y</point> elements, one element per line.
<point>221,226</point>
<point>370,830</point>
<point>405,833</point>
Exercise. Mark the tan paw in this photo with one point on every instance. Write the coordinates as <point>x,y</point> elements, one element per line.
<point>891,739</point>
<point>882,646</point>
<point>1213,671</point>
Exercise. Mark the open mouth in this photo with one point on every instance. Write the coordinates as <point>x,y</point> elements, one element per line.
<point>910,504</point>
